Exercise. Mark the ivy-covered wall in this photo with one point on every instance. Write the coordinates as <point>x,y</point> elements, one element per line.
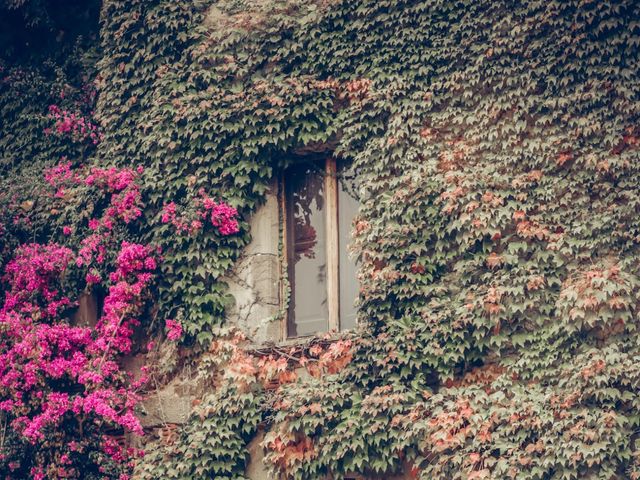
<point>497,144</point>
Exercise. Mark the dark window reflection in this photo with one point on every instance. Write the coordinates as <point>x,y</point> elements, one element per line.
<point>307,262</point>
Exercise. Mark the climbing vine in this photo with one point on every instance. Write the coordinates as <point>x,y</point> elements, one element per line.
<point>496,146</point>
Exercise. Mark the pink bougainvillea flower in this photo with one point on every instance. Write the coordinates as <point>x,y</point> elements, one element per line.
<point>221,215</point>
<point>92,278</point>
<point>72,125</point>
<point>224,217</point>
<point>174,329</point>
<point>168,212</point>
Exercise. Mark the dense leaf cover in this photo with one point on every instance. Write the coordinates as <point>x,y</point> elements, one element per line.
<point>497,148</point>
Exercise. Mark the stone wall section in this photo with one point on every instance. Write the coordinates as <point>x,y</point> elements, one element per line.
<point>255,280</point>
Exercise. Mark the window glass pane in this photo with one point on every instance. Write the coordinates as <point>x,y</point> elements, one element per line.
<point>347,210</point>
<point>306,243</point>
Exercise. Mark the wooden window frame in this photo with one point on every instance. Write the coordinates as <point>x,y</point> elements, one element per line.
<point>332,248</point>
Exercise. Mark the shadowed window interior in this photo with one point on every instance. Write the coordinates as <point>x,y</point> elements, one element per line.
<point>307,263</point>
<point>319,209</point>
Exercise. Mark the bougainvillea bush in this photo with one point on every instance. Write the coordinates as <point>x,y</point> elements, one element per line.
<point>497,147</point>
<point>64,391</point>
<point>65,396</point>
<point>61,384</point>
<point>72,225</point>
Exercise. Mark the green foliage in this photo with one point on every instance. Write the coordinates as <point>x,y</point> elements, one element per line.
<point>29,83</point>
<point>327,427</point>
<point>189,114</point>
<point>497,148</point>
<point>213,442</point>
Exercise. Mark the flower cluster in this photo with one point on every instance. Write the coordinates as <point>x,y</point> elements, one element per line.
<point>223,216</point>
<point>174,329</point>
<point>220,214</point>
<point>181,223</point>
<point>120,183</point>
<point>60,177</point>
<point>74,125</point>
<point>119,186</point>
<point>133,275</point>
<point>119,453</point>
<point>125,193</point>
<point>33,273</point>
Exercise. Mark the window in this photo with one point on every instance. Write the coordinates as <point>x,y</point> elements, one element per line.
<point>319,209</point>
